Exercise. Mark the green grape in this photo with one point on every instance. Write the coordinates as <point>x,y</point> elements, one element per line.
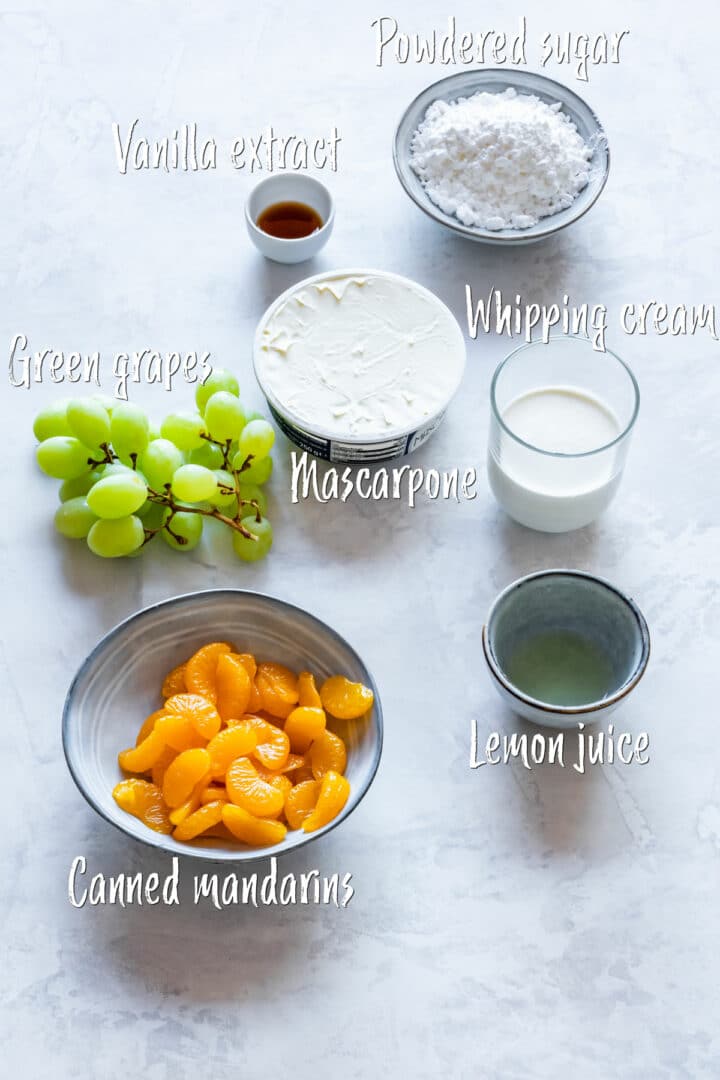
<point>209,455</point>
<point>224,416</point>
<point>223,499</point>
<point>79,485</point>
<point>116,468</point>
<point>153,515</point>
<point>117,496</point>
<point>112,539</point>
<point>194,483</point>
<point>143,511</point>
<point>74,518</point>
<point>256,438</point>
<point>63,457</point>
<point>187,526</point>
<point>160,461</point>
<point>128,430</point>
<point>153,430</point>
<point>89,422</point>
<point>184,429</point>
<point>106,401</point>
<point>52,421</point>
<point>253,550</point>
<point>255,415</point>
<point>218,379</point>
<point>253,493</point>
<point>257,472</point>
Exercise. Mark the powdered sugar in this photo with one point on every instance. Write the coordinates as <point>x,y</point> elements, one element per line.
<point>500,161</point>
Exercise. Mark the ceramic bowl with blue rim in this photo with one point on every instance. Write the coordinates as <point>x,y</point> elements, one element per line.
<point>118,685</point>
<point>564,647</point>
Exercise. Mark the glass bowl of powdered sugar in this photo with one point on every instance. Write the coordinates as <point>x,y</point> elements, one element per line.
<point>501,157</point>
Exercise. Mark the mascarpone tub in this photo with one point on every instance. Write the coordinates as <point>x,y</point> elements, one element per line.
<point>358,365</point>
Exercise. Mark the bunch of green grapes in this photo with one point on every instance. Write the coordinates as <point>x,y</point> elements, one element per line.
<point>124,481</point>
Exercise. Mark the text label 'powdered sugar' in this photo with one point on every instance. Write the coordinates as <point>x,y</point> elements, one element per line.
<point>457,46</point>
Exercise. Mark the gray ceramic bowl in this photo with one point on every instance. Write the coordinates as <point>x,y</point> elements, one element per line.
<point>495,80</point>
<point>572,602</point>
<point>119,684</point>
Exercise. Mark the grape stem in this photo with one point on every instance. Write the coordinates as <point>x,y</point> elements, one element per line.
<point>224,446</point>
<point>165,498</point>
<point>108,456</point>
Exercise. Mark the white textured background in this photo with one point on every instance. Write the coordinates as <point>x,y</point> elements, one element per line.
<point>506,924</point>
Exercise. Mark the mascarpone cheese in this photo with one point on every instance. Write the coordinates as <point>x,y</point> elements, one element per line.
<point>360,354</point>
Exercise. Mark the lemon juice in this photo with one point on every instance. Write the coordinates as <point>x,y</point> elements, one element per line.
<point>560,667</point>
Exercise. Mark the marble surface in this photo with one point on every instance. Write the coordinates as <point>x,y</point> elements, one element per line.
<point>506,923</point>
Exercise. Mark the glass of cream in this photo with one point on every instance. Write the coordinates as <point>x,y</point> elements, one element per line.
<point>561,416</point>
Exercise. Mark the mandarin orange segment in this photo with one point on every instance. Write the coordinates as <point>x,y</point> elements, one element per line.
<point>220,832</point>
<point>278,689</point>
<point>174,682</point>
<point>304,771</point>
<point>229,744</point>
<point>234,687</point>
<point>148,725</point>
<point>303,726</point>
<point>251,830</point>
<point>184,774</point>
<point>278,780</point>
<point>144,801</point>
<point>240,748</point>
<point>248,662</point>
<point>334,792</point>
<point>293,763</point>
<point>248,790</point>
<point>307,691</point>
<point>326,753</point>
<point>213,793</point>
<point>185,809</point>
<point>273,747</point>
<point>201,668</point>
<point>142,758</point>
<point>202,713</point>
<point>161,765</point>
<point>178,732</point>
<point>194,824</point>
<point>344,699</point>
<point>300,802</point>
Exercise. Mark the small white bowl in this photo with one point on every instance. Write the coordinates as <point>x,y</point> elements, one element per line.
<point>290,187</point>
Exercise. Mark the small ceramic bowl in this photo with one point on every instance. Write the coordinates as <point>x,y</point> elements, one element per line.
<point>119,684</point>
<point>567,602</point>
<point>495,80</point>
<point>290,187</point>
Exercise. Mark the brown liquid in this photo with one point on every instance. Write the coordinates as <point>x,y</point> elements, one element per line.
<point>289,220</point>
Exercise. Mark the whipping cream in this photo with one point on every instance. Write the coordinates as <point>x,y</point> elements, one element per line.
<point>549,493</point>
<point>561,420</point>
<point>360,355</point>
